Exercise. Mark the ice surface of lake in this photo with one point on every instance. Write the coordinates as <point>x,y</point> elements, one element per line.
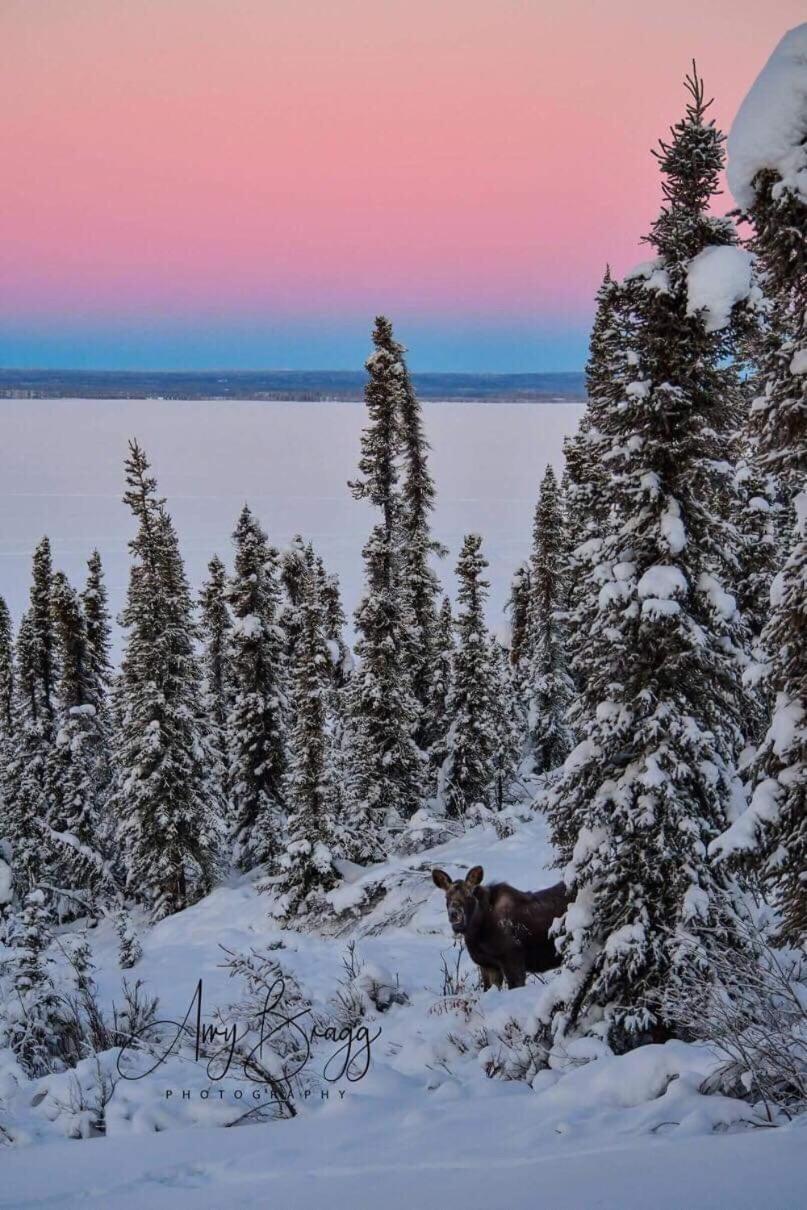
<point>61,464</point>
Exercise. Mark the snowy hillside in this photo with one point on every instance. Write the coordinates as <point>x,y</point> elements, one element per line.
<point>435,1102</point>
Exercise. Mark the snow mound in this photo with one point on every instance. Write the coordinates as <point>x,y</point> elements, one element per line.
<point>771,124</point>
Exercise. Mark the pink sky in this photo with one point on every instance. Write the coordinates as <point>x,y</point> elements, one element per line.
<point>171,163</point>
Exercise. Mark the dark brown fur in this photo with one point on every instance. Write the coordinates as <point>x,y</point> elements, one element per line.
<point>506,932</point>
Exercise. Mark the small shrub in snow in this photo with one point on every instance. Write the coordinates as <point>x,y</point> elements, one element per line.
<point>267,1051</point>
<point>753,1011</point>
<point>130,950</point>
<point>366,987</point>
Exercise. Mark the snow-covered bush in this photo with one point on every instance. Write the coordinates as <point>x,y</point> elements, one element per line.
<point>366,988</point>
<point>753,1012</point>
<point>130,950</point>
<point>425,830</point>
<point>270,1047</point>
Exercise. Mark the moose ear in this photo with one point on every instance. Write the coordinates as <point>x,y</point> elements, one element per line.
<point>441,879</point>
<point>475,876</point>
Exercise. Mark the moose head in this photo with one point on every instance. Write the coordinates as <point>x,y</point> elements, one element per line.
<point>461,896</point>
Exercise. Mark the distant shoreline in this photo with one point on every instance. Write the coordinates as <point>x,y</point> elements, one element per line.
<point>303,386</point>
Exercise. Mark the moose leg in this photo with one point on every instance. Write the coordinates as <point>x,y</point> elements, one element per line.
<point>515,972</point>
<point>491,977</point>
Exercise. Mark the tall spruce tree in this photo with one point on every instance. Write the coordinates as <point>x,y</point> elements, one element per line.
<point>518,607</point>
<point>24,800</point>
<point>25,777</point>
<point>295,566</point>
<point>95,606</point>
<point>334,622</point>
<point>773,832</point>
<point>165,805</point>
<point>6,677</point>
<point>550,687</point>
<point>33,1019</point>
<point>508,725</point>
<point>439,707</point>
<point>385,711</point>
<point>419,578</point>
<point>76,761</point>
<point>215,626</point>
<point>308,863</point>
<point>467,775</point>
<point>661,706</point>
<point>588,500</point>
<point>259,708</point>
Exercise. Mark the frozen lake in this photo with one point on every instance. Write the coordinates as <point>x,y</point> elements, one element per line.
<point>61,474</point>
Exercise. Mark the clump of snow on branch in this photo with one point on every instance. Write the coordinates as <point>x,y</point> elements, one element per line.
<point>717,279</point>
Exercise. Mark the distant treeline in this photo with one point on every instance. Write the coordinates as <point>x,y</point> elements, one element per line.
<point>305,385</point>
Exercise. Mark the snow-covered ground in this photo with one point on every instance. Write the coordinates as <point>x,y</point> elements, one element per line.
<point>61,473</point>
<point>427,1126</point>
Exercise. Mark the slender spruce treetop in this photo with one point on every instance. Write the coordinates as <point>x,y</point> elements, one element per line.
<point>467,776</point>
<point>307,866</point>
<point>40,615</point>
<point>215,625</point>
<point>76,761</point>
<point>258,713</point>
<point>95,606</point>
<point>24,772</point>
<point>6,674</point>
<point>439,707</point>
<point>661,706</point>
<point>34,707</point>
<point>550,687</point>
<point>166,810</point>
<point>420,580</point>
<point>334,622</point>
<point>518,606</point>
<point>508,726</point>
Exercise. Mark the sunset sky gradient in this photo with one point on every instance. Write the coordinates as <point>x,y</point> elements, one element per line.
<point>245,183</point>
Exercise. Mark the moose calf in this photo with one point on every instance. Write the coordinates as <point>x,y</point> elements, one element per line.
<point>506,931</point>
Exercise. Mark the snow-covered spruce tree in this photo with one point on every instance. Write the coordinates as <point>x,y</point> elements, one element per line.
<point>215,625</point>
<point>467,774</point>
<point>31,1019</point>
<point>441,685</point>
<point>6,676</point>
<point>649,785</point>
<point>549,685</point>
<point>95,605</point>
<point>43,638</point>
<point>588,502</point>
<point>24,799</point>
<point>295,565</point>
<point>508,725</point>
<point>334,622</point>
<point>164,802</point>
<point>759,524</point>
<point>258,711</point>
<point>387,761</point>
<point>518,607</point>
<point>307,866</point>
<point>76,759</point>
<point>767,174</point>
<point>25,776</point>
<point>419,578</point>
